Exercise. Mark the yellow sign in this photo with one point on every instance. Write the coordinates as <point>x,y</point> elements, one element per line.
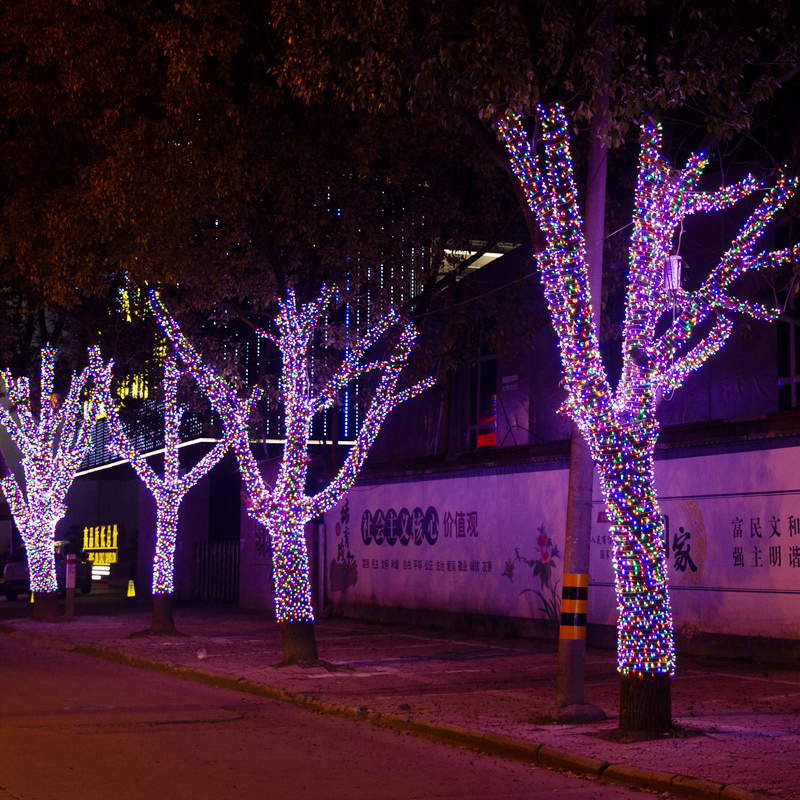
<point>100,537</point>
<point>131,590</point>
<point>101,544</point>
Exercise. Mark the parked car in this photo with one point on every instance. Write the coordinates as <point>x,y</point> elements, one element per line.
<point>16,579</point>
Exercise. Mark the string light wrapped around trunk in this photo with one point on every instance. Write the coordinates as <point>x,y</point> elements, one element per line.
<point>168,491</point>
<point>285,508</point>
<point>620,425</point>
<point>52,447</point>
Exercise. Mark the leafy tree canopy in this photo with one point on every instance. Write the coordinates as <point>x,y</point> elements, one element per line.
<point>713,59</point>
<point>150,141</point>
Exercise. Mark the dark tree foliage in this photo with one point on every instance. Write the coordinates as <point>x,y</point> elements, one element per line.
<point>714,60</point>
<point>152,141</point>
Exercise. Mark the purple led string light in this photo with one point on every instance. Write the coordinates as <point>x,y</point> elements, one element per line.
<point>285,508</point>
<point>52,449</point>
<point>620,426</point>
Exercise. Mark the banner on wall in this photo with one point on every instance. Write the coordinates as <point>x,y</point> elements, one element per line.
<point>733,559</point>
<point>484,543</point>
<point>731,534</point>
<point>492,543</point>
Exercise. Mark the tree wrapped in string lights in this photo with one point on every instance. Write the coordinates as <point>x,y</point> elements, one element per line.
<point>168,491</point>
<point>668,333</point>
<point>285,507</point>
<point>52,448</point>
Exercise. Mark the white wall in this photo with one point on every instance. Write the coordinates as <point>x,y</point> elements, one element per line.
<point>751,591</point>
<point>744,584</point>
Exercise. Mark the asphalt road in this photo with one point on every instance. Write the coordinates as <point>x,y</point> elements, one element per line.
<point>72,726</point>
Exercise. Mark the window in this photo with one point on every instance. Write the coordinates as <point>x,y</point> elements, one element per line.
<point>483,403</point>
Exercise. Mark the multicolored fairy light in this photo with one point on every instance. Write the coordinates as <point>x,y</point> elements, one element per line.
<point>620,425</point>
<point>52,449</point>
<point>168,491</point>
<point>285,508</point>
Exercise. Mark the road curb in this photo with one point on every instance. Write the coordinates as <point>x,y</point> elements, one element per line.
<point>640,778</point>
<point>681,786</point>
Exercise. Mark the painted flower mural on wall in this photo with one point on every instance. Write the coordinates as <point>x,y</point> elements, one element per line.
<point>543,564</point>
<point>344,570</point>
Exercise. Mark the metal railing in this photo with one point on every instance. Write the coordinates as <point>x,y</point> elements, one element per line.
<point>217,571</point>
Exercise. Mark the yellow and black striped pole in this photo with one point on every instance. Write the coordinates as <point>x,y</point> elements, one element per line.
<point>574,605</point>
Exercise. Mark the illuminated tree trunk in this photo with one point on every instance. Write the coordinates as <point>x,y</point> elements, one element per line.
<point>292,584</point>
<point>42,570</point>
<point>163,569</point>
<point>42,566</point>
<point>293,608</point>
<point>668,333</point>
<point>164,559</point>
<point>168,491</point>
<point>52,442</point>
<point>285,507</point>
<point>42,563</point>
<point>290,567</point>
<point>41,558</point>
<point>290,570</point>
<point>645,645</point>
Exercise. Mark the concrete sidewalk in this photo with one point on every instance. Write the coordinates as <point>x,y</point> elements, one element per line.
<point>479,692</point>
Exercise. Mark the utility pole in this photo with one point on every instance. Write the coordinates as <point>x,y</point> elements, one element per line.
<point>570,704</point>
